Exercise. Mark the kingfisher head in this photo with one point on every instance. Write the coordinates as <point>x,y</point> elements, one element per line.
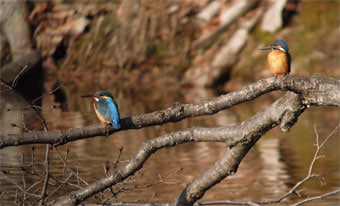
<point>100,95</point>
<point>278,45</point>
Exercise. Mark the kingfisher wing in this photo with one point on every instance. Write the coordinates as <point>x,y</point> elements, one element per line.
<point>113,113</point>
<point>108,109</point>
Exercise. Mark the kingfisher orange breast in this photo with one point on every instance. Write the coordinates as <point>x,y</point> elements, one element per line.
<point>278,62</point>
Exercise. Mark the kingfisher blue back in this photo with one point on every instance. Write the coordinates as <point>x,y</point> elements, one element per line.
<point>106,108</point>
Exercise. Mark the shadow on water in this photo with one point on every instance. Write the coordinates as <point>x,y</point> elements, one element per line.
<point>276,162</point>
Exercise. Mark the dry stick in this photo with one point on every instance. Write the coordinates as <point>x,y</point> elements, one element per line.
<point>15,81</point>
<point>77,174</point>
<point>47,176</point>
<point>48,93</point>
<point>23,123</point>
<point>16,197</point>
<point>319,146</point>
<point>34,169</point>
<point>33,185</point>
<point>23,176</point>
<point>115,164</point>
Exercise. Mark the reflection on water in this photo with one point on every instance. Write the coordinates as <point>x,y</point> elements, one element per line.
<point>276,162</point>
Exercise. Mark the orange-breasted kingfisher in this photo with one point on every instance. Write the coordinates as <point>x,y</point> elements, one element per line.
<point>279,58</point>
<point>106,108</point>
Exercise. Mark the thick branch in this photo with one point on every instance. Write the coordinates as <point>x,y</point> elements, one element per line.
<point>317,90</point>
<point>285,111</point>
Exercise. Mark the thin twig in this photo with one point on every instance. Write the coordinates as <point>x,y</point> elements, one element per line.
<point>34,170</point>
<point>65,182</point>
<point>23,176</point>
<point>115,164</point>
<point>76,174</point>
<point>47,176</point>
<point>319,197</point>
<point>33,185</point>
<point>15,81</point>
<point>18,186</point>
<point>48,93</point>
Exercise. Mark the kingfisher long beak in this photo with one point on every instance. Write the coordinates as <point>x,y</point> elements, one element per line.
<point>266,48</point>
<point>88,96</point>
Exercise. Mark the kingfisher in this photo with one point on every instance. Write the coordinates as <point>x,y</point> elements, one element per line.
<point>279,58</point>
<point>106,108</point>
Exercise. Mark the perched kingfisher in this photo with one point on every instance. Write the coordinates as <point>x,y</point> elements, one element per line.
<point>279,58</point>
<point>106,108</point>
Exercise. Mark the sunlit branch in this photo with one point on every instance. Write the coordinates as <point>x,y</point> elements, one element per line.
<point>309,89</point>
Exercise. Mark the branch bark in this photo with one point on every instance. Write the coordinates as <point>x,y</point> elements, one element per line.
<point>316,90</point>
<point>284,111</point>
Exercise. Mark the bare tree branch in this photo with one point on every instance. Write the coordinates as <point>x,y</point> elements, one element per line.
<point>238,138</point>
<point>318,90</point>
<point>285,111</point>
